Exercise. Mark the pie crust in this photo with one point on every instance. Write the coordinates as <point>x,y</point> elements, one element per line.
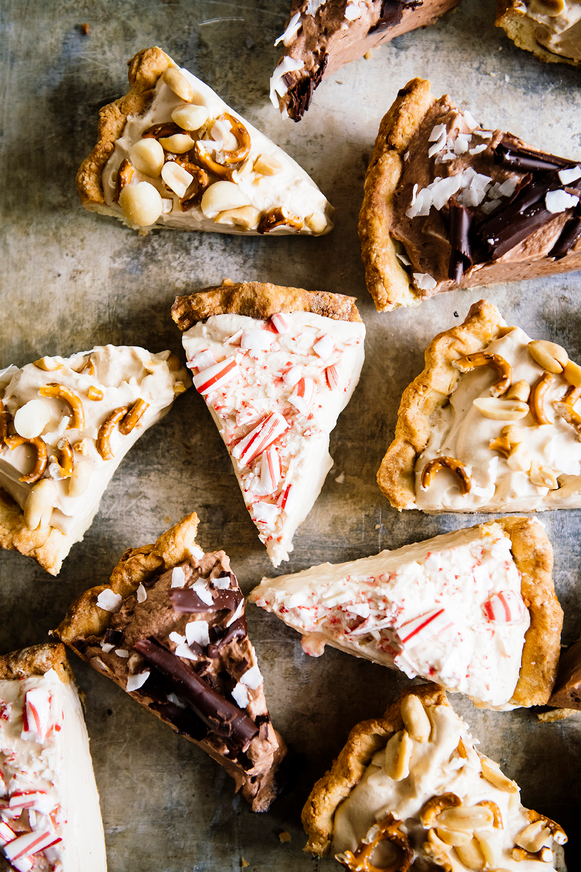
<point>513,18</point>
<point>47,546</point>
<point>36,661</point>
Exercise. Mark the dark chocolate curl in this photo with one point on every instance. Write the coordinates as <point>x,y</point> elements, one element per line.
<point>187,601</point>
<point>526,160</point>
<point>300,95</point>
<point>461,254</point>
<point>570,234</point>
<point>391,12</point>
<point>219,714</point>
<point>220,636</point>
<point>114,637</point>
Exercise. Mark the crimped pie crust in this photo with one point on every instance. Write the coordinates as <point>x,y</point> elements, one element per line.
<point>144,71</point>
<point>259,300</point>
<point>47,546</point>
<point>513,19</point>
<point>36,661</point>
<point>365,739</point>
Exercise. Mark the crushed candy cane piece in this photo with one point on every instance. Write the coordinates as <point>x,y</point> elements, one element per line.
<point>38,800</point>
<point>36,714</point>
<point>270,472</point>
<point>198,632</point>
<point>109,601</point>
<point>214,377</point>
<point>259,438</point>
<point>424,626</point>
<point>265,513</point>
<point>279,323</point>
<point>134,682</point>
<point>7,834</point>
<point>178,577</point>
<point>324,346</point>
<point>303,395</point>
<point>332,377</point>
<point>505,607</point>
<point>29,844</point>
<point>202,360</point>
<point>293,375</point>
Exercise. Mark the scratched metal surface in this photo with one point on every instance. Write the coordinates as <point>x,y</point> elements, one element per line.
<point>71,279</point>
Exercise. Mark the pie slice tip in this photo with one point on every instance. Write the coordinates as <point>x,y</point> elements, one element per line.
<point>547,28</point>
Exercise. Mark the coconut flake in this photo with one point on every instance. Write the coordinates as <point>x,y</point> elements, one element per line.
<point>109,601</point>
<point>237,614</point>
<point>470,120</point>
<point>478,148</point>
<point>141,594</point>
<point>291,31</point>
<point>508,187</point>
<point>177,638</point>
<point>197,631</point>
<point>569,175</point>
<point>461,143</point>
<point>560,201</point>
<point>203,591</point>
<point>178,577</point>
<point>134,682</point>
<point>443,188</point>
<point>240,696</point>
<point>185,651</point>
<point>277,86</point>
<point>222,582</point>
<point>252,677</point>
<point>106,647</point>
<point>352,11</point>
<point>424,281</point>
<point>171,697</point>
<point>489,206</point>
<point>403,259</point>
<point>122,652</point>
<point>439,144</point>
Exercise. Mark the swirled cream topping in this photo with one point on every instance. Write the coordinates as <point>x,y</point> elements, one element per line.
<point>275,390</point>
<point>537,467</point>
<point>481,830</point>
<point>559,25</point>
<point>449,609</point>
<point>49,807</point>
<point>63,404</point>
<point>207,189</point>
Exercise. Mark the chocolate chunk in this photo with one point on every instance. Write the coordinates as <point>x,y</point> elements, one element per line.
<point>301,93</point>
<point>220,636</point>
<point>184,719</point>
<point>567,692</point>
<point>526,160</point>
<point>187,601</point>
<point>81,645</point>
<point>219,714</point>
<point>114,637</point>
<point>570,233</point>
<point>461,254</point>
<point>391,12</point>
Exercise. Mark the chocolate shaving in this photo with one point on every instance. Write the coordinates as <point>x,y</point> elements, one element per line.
<point>219,714</point>
<point>570,234</point>
<point>184,720</point>
<point>187,601</point>
<point>525,160</point>
<point>390,15</point>
<point>461,254</point>
<point>300,94</point>
<point>220,636</point>
<point>114,637</point>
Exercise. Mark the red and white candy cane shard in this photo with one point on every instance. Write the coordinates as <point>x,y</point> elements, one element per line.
<point>505,607</point>
<point>332,377</point>
<point>37,713</point>
<point>293,376</point>
<point>29,844</point>
<point>36,799</point>
<point>303,395</point>
<point>256,340</point>
<point>259,439</point>
<point>270,473</point>
<point>23,865</point>
<point>3,790</point>
<point>279,323</point>
<point>202,360</point>
<point>283,498</point>
<point>7,834</point>
<point>423,627</point>
<point>213,377</point>
<point>324,346</point>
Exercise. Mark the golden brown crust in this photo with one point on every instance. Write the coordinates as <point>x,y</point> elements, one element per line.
<point>260,300</point>
<point>36,661</point>
<point>513,19</point>
<point>85,618</point>
<point>365,739</point>
<point>144,71</point>
<point>533,556</point>
<point>387,281</point>
<point>426,394</point>
<point>47,546</point>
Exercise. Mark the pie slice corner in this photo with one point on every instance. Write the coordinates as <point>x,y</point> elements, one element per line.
<point>492,424</point>
<point>449,204</point>
<point>172,154</point>
<point>65,425</point>
<point>382,788</point>
<point>474,610</point>
<point>170,630</point>
<point>49,812</point>
<point>276,428</point>
<point>550,30</point>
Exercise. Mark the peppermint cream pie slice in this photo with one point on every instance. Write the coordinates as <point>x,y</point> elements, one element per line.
<point>492,424</point>
<point>49,811</point>
<point>322,35</point>
<point>171,631</point>
<point>412,790</point>
<point>171,153</point>
<point>474,610</point>
<point>65,425</point>
<point>451,205</point>
<point>551,29</point>
<point>276,367</point>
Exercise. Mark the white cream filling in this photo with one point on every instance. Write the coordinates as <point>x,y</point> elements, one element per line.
<point>60,767</point>
<point>560,33</point>
<point>291,187</point>
<point>373,607</point>
<point>264,383</point>
<point>122,374</point>
<point>461,431</point>
<point>435,768</point>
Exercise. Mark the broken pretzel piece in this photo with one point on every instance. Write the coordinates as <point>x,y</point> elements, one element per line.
<point>68,396</point>
<point>481,358</point>
<point>41,456</point>
<point>455,466</point>
<point>386,830</point>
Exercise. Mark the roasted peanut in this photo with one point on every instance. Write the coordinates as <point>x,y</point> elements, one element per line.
<point>572,373</point>
<point>178,83</point>
<point>471,855</point>
<point>496,813</point>
<point>316,222</point>
<point>500,409</point>
<point>47,364</point>
<point>453,838</point>
<point>415,719</point>
<point>190,117</point>
<point>80,478</point>
<point>246,217</point>
<point>520,390</point>
<point>95,394</point>
<point>147,157</point>
<point>398,752</point>
<point>39,504</point>
<point>267,165</point>
<point>31,418</point>
<point>178,143</point>
<point>465,819</point>
<point>176,177</point>
<point>552,357</point>
<point>222,196</point>
<point>534,837</point>
<point>542,476</point>
<point>141,204</point>
<point>455,466</point>
<point>432,808</point>
<point>491,772</point>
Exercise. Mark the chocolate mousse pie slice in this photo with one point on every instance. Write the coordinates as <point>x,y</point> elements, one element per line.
<point>170,629</point>
<point>322,35</point>
<point>551,29</point>
<point>412,790</point>
<point>172,154</point>
<point>449,204</point>
<point>276,366</point>
<point>49,809</point>
<point>474,610</point>
<point>65,425</point>
<point>492,424</point>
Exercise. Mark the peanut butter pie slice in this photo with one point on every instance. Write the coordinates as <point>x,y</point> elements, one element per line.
<point>49,806</point>
<point>449,204</point>
<point>551,29</point>
<point>170,629</point>
<point>411,790</point>
<point>65,425</point>
<point>171,153</point>
<point>276,366</point>
<point>492,424</point>
<point>322,35</point>
<point>474,610</point>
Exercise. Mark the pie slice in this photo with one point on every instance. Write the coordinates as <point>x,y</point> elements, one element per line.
<point>551,29</point>
<point>171,631</point>
<point>276,367</point>
<point>567,691</point>
<point>65,425</point>
<point>171,153</point>
<point>413,788</point>
<point>451,205</point>
<point>322,35</point>
<point>492,424</point>
<point>474,610</point>
<point>49,810</point>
